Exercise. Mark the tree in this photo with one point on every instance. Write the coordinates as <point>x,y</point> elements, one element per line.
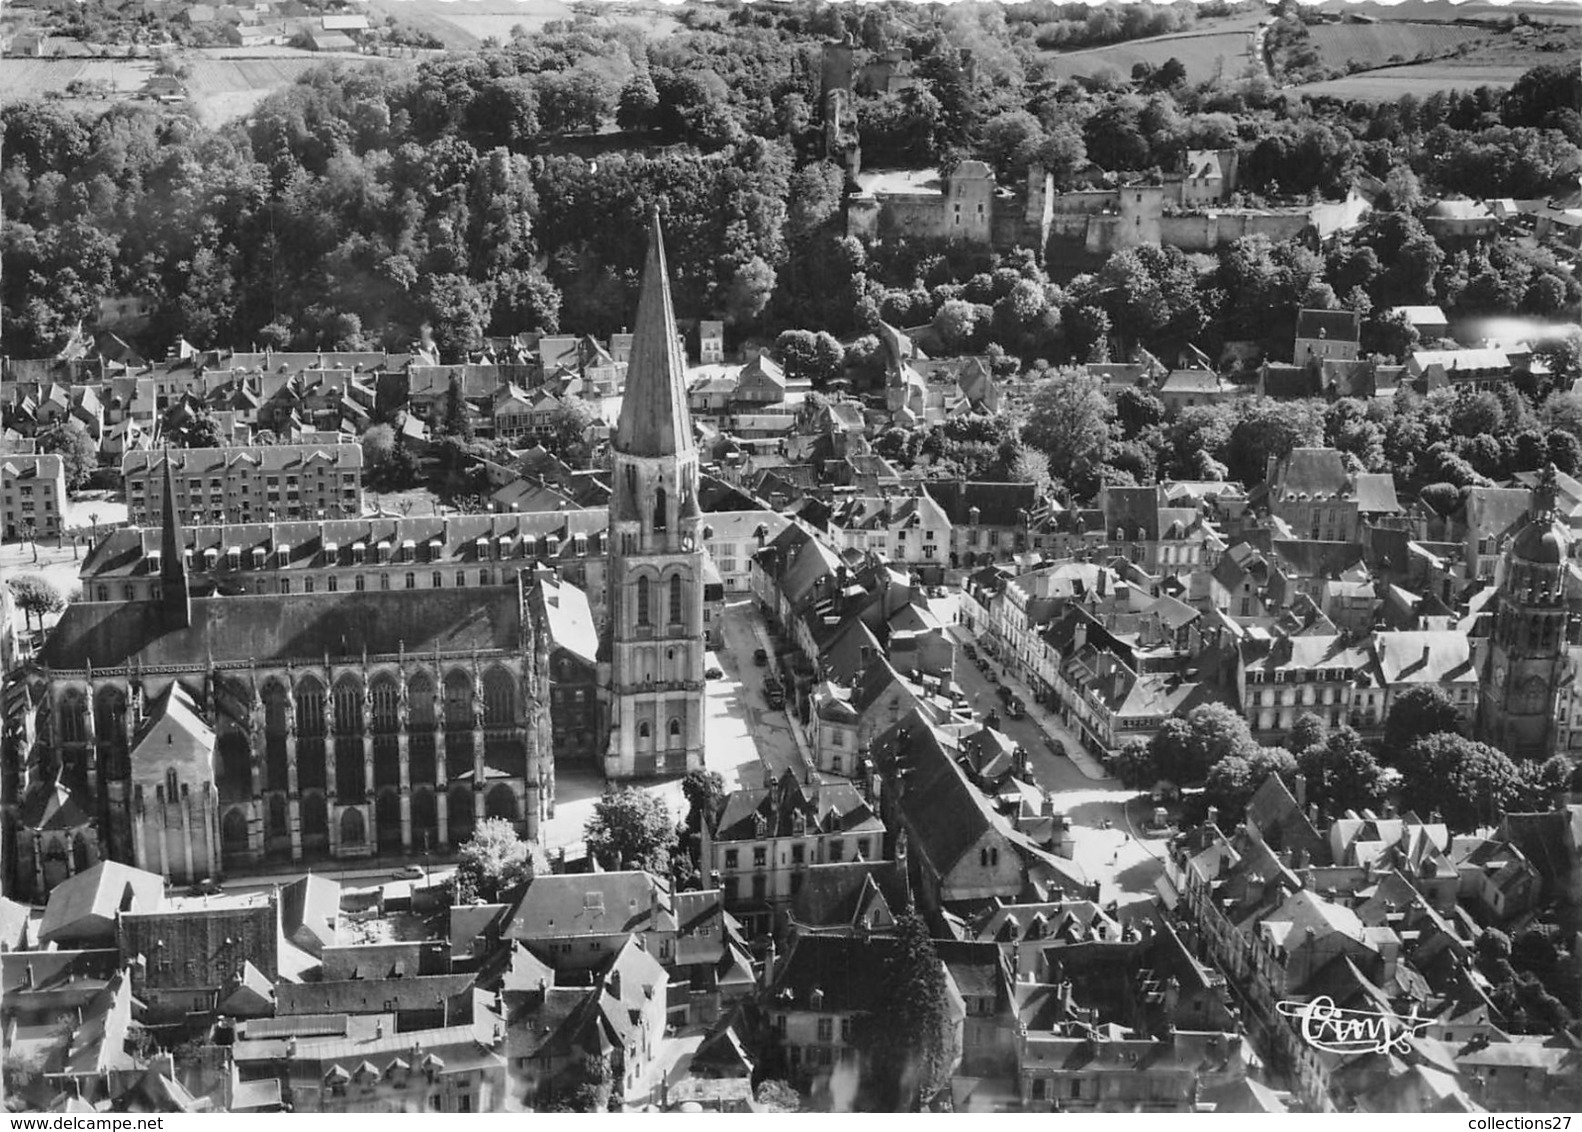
<point>457,419</point>
<point>36,596</point>
<point>704,791</point>
<point>749,293</point>
<point>1308,730</point>
<point>905,1042</point>
<point>1069,421</point>
<point>379,445</point>
<point>1029,465</point>
<point>1424,709</point>
<point>631,829</point>
<point>1134,765</point>
<point>1469,784</point>
<point>638,102</point>
<point>1184,750</point>
<point>77,450</point>
<point>1341,773</point>
<point>493,860</point>
<point>568,429</point>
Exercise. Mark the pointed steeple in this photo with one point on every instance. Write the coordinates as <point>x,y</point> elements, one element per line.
<point>654,417</point>
<point>175,593</point>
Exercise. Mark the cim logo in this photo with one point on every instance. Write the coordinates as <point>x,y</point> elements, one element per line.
<point>1332,1029</point>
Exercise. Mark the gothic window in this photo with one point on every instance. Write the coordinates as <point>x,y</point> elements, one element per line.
<point>675,599</point>
<point>675,731</point>
<point>348,708</point>
<point>385,695</point>
<point>310,707</point>
<point>458,700</point>
<point>642,601</point>
<point>631,482</point>
<point>499,698</point>
<point>73,712</point>
<point>659,509</point>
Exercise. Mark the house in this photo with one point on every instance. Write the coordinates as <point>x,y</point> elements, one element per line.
<point>577,922</point>
<point>1209,177</point>
<point>192,949</point>
<point>733,537</point>
<point>1185,388</point>
<point>1321,500</point>
<point>554,1026</point>
<point>1460,219</point>
<point>819,993</point>
<point>1326,334</point>
<point>766,838</point>
<point>318,39</point>
<point>1479,369</point>
<point>711,342</point>
<point>248,483</point>
<point>32,496</point>
<point>1429,321</point>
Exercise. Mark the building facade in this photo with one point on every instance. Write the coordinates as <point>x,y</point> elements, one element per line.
<point>32,496</point>
<point>247,484</point>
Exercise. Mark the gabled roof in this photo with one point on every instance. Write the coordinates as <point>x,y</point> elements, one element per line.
<point>825,807</point>
<point>869,894</point>
<point>85,906</point>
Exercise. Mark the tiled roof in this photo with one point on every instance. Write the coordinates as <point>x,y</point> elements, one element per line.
<point>1336,326</point>
<point>595,904</point>
<point>94,896</point>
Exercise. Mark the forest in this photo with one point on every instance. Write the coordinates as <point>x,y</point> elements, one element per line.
<point>500,191</point>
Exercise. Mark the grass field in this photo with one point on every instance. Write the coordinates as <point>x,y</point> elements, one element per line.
<point>1205,55</point>
<point>1376,45</point>
<point>1389,83</point>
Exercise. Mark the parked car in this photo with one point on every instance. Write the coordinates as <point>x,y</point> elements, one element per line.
<point>1005,693</point>
<point>971,653</point>
<point>408,872</point>
<point>712,674</point>
<point>206,887</point>
<point>774,693</point>
<point>992,678</point>
<point>1016,708</point>
<point>760,657</point>
<point>1056,747</point>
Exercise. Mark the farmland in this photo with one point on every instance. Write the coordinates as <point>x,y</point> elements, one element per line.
<point>1379,45</point>
<point>463,24</point>
<point>1420,79</point>
<point>1206,55</point>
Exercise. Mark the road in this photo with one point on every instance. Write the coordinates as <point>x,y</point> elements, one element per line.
<point>1127,865</point>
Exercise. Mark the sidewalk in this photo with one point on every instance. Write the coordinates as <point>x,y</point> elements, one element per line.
<point>1047,721</point>
<point>766,642</point>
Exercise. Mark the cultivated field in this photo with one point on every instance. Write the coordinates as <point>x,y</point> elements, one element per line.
<point>1205,55</point>
<point>1420,79</point>
<point>1377,45</point>
<point>462,24</point>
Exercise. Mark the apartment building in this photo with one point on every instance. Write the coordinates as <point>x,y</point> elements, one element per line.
<point>258,483</point>
<point>32,496</point>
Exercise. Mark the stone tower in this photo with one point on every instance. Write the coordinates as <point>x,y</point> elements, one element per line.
<point>652,662</point>
<point>1527,647</point>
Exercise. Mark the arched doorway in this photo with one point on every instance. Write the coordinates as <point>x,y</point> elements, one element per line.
<point>233,835</point>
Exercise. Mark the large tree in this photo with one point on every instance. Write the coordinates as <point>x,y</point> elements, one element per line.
<point>36,596</point>
<point>1069,421</point>
<point>906,1042</point>
<point>631,829</point>
<point>76,448</point>
<point>1341,773</point>
<point>1424,709</point>
<point>1185,750</point>
<point>1469,784</point>
<point>493,860</point>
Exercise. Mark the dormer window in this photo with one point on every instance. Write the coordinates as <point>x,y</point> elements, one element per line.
<point>359,553</point>
<point>383,551</point>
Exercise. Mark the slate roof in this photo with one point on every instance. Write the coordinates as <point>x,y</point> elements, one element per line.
<point>309,910</point>
<point>90,901</point>
<point>265,629</point>
<point>849,973</point>
<point>595,904</point>
<point>1336,326</point>
<point>369,996</point>
<point>266,457</point>
<point>827,807</point>
<point>846,894</point>
<point>998,504</point>
<point>1432,656</point>
<point>655,420</point>
<point>568,617</point>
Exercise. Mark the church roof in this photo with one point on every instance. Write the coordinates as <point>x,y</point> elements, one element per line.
<point>265,629</point>
<point>654,417</point>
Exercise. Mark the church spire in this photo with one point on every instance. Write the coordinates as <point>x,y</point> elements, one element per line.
<point>654,417</point>
<point>175,593</point>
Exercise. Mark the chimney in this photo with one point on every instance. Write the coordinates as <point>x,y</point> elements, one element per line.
<point>769,965</point>
<point>612,982</point>
<point>1213,816</point>
<point>27,977</point>
<point>1299,789</point>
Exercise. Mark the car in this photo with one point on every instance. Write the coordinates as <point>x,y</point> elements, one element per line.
<point>971,653</point>
<point>206,887</point>
<point>1005,693</point>
<point>1056,747</point>
<point>408,872</point>
<point>712,674</point>
<point>760,657</point>
<point>993,679</point>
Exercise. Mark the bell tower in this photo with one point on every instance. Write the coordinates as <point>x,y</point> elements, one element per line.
<point>1531,631</point>
<point>654,648</point>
